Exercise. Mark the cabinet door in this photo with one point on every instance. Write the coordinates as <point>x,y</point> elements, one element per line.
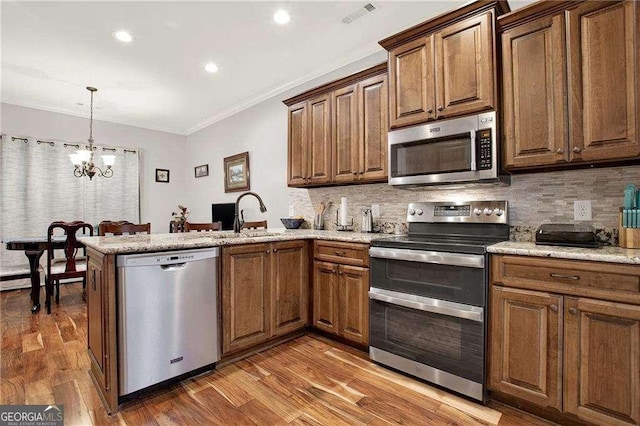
<point>353,284</point>
<point>245,296</point>
<point>298,140</point>
<point>602,361</point>
<point>325,296</point>
<point>101,326</point>
<point>319,155</point>
<point>345,136</point>
<point>465,73</point>
<point>374,127</point>
<point>290,283</point>
<point>525,348</point>
<point>411,83</point>
<point>603,70</point>
<point>534,79</point>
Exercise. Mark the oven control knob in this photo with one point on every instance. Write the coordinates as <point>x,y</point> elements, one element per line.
<point>498,212</point>
<point>488,211</point>
<point>477,211</point>
<point>412,212</point>
<point>419,211</point>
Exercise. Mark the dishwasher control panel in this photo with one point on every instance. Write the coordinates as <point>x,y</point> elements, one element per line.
<point>167,258</point>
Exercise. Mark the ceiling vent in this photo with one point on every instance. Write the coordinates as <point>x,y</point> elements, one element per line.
<point>359,13</point>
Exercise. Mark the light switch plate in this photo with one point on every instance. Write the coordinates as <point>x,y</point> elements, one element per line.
<point>375,210</point>
<point>582,210</point>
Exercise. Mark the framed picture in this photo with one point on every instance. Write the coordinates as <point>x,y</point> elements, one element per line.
<point>236,173</point>
<point>202,171</point>
<point>162,175</point>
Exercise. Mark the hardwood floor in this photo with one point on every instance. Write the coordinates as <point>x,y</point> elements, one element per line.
<point>308,381</point>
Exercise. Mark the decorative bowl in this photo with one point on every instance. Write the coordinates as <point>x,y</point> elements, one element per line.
<point>291,223</point>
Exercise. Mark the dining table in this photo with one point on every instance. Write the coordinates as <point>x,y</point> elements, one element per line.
<point>33,248</point>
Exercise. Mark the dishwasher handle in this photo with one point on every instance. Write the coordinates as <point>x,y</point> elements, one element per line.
<point>173,266</point>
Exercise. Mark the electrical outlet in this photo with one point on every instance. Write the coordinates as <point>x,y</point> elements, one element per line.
<point>582,210</point>
<point>375,210</point>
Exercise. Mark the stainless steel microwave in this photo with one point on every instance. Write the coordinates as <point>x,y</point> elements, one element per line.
<point>450,151</point>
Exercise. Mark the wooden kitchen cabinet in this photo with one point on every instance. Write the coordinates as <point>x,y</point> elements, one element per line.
<point>341,292</point>
<point>570,84</point>
<point>338,132</point>
<point>444,67</point>
<point>264,292</point>
<point>526,330</point>
<point>101,326</point>
<point>602,361</point>
<point>554,345</point>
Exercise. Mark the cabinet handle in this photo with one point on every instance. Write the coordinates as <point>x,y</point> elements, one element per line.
<point>340,273</point>
<point>430,110</point>
<point>566,277</point>
<point>560,151</point>
<point>94,280</point>
<point>554,308</point>
<point>573,311</point>
<point>577,149</point>
<point>334,271</point>
<point>440,107</point>
<point>361,173</point>
<point>355,173</point>
<point>339,253</point>
<point>267,251</point>
<point>274,250</point>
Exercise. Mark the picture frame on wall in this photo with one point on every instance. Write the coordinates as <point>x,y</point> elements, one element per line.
<point>162,175</point>
<point>236,173</point>
<point>201,171</point>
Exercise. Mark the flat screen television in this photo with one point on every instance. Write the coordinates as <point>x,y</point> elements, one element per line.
<point>223,212</point>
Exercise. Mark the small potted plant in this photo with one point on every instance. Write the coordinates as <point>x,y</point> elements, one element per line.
<point>180,217</point>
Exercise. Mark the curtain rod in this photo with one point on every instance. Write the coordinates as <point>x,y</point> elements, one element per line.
<point>66,144</point>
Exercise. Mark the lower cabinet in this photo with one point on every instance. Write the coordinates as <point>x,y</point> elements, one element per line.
<point>264,292</point>
<point>101,326</point>
<point>568,352</point>
<point>341,294</point>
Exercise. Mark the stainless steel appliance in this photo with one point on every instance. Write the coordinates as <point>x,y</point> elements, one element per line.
<point>428,293</point>
<point>367,221</point>
<point>167,315</point>
<point>458,150</point>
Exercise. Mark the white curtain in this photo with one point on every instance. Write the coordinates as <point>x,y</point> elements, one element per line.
<point>38,187</point>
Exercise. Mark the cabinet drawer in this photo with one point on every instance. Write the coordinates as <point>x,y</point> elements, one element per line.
<point>344,253</point>
<point>609,281</point>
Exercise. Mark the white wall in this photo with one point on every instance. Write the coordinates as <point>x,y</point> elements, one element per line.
<point>158,150</point>
<point>262,131</point>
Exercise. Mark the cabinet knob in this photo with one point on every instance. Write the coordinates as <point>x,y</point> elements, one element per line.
<point>274,250</point>
<point>430,110</point>
<point>355,173</point>
<point>560,151</point>
<point>361,173</point>
<point>573,311</point>
<point>554,308</point>
<point>440,107</point>
<point>334,272</point>
<point>267,251</point>
<point>577,149</point>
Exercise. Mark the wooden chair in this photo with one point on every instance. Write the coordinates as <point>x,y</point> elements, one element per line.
<point>72,267</point>
<point>255,225</point>
<point>111,222</point>
<point>123,228</point>
<point>213,226</point>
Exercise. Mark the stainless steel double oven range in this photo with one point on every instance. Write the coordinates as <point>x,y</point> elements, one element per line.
<point>428,293</point>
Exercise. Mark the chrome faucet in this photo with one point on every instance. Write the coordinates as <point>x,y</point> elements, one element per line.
<point>237,222</point>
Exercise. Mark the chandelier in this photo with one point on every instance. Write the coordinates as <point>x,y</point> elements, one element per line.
<point>83,158</point>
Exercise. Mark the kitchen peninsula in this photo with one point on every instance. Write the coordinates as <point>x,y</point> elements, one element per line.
<point>265,273</point>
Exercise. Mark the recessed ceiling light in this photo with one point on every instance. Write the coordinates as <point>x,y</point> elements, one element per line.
<point>123,36</point>
<point>211,67</point>
<point>281,17</point>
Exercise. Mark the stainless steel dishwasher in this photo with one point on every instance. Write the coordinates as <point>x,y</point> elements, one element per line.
<point>167,315</point>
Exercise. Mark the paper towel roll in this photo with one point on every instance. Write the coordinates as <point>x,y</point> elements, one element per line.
<point>343,211</point>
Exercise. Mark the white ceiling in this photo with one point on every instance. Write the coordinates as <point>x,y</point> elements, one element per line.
<point>52,50</point>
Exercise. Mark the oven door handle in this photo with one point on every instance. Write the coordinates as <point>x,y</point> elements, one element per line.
<point>427,304</point>
<point>442,258</point>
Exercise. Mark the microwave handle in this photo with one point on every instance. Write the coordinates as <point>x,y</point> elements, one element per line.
<point>474,150</point>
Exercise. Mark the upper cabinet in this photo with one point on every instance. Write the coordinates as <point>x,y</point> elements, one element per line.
<point>338,132</point>
<point>444,67</point>
<point>570,75</point>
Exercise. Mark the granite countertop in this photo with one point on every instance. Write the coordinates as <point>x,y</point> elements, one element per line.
<point>603,254</point>
<point>142,243</point>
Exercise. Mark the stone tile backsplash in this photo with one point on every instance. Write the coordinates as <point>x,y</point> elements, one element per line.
<point>534,199</point>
